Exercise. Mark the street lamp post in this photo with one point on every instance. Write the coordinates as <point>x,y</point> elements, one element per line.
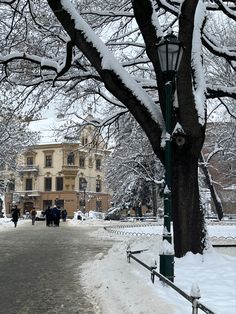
<point>169,53</point>
<point>84,186</point>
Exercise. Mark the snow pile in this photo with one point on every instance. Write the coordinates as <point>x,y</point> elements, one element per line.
<point>6,223</point>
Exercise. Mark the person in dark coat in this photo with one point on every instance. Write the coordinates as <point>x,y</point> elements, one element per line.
<point>33,214</point>
<point>48,214</point>
<point>139,209</point>
<point>56,212</point>
<point>15,213</point>
<point>63,214</point>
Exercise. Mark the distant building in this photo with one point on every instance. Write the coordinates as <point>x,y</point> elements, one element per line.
<point>68,174</point>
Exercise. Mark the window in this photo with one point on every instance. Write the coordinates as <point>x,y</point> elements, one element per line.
<point>48,184</point>
<point>29,184</point>
<point>84,140</point>
<point>90,162</point>
<point>29,161</point>
<point>98,164</point>
<point>11,185</point>
<point>48,161</point>
<point>98,185</point>
<point>70,159</point>
<point>59,183</point>
<point>82,162</point>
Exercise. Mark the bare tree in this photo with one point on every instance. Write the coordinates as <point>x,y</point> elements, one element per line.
<point>14,132</point>
<point>132,170</point>
<point>112,47</point>
<point>14,138</point>
<point>218,160</point>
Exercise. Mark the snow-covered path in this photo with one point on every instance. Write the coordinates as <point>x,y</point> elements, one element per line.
<point>39,268</point>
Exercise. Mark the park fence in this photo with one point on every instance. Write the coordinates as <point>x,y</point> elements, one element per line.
<point>194,299</point>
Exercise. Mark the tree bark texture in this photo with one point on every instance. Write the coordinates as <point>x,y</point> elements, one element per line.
<point>187,214</point>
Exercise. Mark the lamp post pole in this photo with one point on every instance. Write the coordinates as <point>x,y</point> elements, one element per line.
<point>168,158</point>
<point>84,200</point>
<point>84,186</point>
<point>169,52</point>
<point>167,254</point>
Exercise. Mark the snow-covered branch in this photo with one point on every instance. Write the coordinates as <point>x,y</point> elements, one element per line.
<point>199,81</point>
<point>214,91</point>
<point>226,9</point>
<point>107,13</point>
<point>169,6</point>
<point>211,44</point>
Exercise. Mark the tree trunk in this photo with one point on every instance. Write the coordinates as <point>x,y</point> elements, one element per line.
<point>188,218</point>
<point>154,199</point>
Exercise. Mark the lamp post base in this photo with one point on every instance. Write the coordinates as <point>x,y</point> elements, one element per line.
<point>167,266</point>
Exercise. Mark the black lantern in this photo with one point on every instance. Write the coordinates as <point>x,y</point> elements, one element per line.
<point>84,185</point>
<point>170,53</point>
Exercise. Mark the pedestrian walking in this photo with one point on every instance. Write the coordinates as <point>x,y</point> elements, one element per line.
<point>48,214</point>
<point>15,213</point>
<point>33,214</point>
<point>139,209</point>
<point>63,214</point>
<point>56,212</point>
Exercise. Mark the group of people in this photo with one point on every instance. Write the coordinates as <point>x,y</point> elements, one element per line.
<point>53,215</point>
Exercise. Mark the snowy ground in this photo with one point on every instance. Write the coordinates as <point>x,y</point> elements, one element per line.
<point>117,287</point>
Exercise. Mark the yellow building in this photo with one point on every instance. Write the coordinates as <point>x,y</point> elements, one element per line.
<point>67,174</point>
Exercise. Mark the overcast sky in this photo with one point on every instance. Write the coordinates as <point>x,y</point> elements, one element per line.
<point>45,126</point>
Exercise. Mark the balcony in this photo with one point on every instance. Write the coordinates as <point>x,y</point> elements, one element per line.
<point>22,169</point>
<point>70,170</point>
<point>25,195</point>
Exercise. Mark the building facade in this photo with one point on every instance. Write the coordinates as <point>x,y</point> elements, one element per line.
<point>67,174</point>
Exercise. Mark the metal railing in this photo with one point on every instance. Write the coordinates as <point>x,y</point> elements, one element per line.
<point>191,298</point>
